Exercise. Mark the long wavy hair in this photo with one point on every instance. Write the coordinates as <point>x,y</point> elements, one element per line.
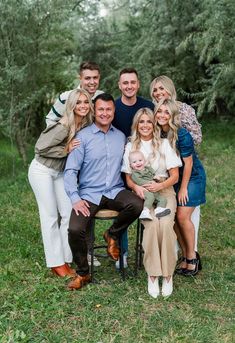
<point>69,120</point>
<point>167,84</point>
<point>135,135</point>
<point>174,121</point>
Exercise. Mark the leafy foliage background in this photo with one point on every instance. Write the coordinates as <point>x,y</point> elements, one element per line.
<point>43,42</point>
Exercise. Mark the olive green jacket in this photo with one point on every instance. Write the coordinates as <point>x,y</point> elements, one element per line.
<point>50,147</point>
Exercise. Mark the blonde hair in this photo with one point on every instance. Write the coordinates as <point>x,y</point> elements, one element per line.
<point>135,135</point>
<point>68,119</point>
<point>174,121</point>
<point>167,84</point>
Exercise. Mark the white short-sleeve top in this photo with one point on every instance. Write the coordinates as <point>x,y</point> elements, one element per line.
<point>165,159</point>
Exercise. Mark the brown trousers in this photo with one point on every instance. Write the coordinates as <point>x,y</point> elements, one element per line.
<point>129,206</point>
<point>159,240</point>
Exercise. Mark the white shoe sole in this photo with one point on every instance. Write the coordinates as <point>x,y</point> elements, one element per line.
<point>153,288</point>
<point>163,213</point>
<point>167,288</point>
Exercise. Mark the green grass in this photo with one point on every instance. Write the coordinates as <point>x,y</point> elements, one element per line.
<point>36,307</point>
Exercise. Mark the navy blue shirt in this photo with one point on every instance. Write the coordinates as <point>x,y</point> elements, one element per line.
<point>124,114</point>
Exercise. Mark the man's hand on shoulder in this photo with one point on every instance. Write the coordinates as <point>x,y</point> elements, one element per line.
<point>82,207</point>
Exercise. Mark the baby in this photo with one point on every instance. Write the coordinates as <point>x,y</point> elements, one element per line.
<point>141,174</point>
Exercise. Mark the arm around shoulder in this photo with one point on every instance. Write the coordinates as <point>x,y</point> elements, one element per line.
<point>57,110</point>
<point>189,121</point>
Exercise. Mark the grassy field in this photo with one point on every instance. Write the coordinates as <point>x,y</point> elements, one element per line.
<point>36,307</point>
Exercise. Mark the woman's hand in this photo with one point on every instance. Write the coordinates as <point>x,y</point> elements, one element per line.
<point>153,186</point>
<point>183,196</point>
<point>139,190</point>
<point>75,143</point>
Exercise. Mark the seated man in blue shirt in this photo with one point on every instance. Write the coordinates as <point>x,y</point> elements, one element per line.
<point>98,161</point>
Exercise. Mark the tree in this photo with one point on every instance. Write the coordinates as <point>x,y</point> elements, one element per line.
<point>36,61</point>
<point>214,44</point>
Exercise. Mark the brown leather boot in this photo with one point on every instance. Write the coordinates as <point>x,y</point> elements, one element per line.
<point>79,281</point>
<point>60,271</point>
<point>71,271</point>
<point>112,249</point>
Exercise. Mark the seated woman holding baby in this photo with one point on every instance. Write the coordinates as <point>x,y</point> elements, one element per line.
<point>159,162</point>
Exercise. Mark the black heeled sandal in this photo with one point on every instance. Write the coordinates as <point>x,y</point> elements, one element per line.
<point>178,269</point>
<point>191,272</point>
<point>199,259</point>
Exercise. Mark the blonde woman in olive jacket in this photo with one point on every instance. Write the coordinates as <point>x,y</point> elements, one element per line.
<point>46,179</point>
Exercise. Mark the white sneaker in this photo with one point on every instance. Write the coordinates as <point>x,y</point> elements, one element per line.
<point>153,287</point>
<point>145,214</point>
<point>161,212</point>
<point>125,265</point>
<point>167,287</point>
<point>96,262</point>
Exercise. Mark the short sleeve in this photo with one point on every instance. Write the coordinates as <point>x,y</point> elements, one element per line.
<point>189,122</point>
<point>185,143</point>
<point>171,158</point>
<point>125,162</point>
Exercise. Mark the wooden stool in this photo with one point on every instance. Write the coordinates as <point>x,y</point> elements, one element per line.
<point>105,214</point>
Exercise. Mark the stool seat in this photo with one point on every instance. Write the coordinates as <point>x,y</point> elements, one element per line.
<point>106,214</point>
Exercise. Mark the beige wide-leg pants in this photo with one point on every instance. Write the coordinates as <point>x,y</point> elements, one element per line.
<point>159,240</point>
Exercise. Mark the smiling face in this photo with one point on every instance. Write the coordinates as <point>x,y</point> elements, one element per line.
<point>104,114</point>
<point>129,85</point>
<point>82,107</point>
<point>159,92</point>
<point>163,116</point>
<point>145,127</point>
<point>89,80</point>
<point>137,160</point>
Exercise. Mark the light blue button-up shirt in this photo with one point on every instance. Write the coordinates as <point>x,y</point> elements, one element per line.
<point>99,160</point>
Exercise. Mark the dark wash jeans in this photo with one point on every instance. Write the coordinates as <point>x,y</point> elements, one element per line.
<point>129,206</point>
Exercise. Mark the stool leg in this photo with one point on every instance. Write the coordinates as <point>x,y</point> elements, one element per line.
<point>140,245</point>
<point>121,253</point>
<point>92,249</point>
<point>137,247</point>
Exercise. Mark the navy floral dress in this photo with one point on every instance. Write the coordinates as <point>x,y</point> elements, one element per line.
<point>197,182</point>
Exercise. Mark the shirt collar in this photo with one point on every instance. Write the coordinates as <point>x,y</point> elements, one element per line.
<point>96,129</point>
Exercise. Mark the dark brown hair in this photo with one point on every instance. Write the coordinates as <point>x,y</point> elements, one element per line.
<point>88,65</point>
<point>128,71</point>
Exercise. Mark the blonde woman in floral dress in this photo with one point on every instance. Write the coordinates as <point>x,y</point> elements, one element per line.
<point>162,87</point>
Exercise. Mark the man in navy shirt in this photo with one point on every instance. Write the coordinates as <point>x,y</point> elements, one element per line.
<point>128,103</point>
<point>99,160</point>
<point>126,107</point>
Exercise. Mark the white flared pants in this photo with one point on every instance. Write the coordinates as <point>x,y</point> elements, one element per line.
<point>48,187</point>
